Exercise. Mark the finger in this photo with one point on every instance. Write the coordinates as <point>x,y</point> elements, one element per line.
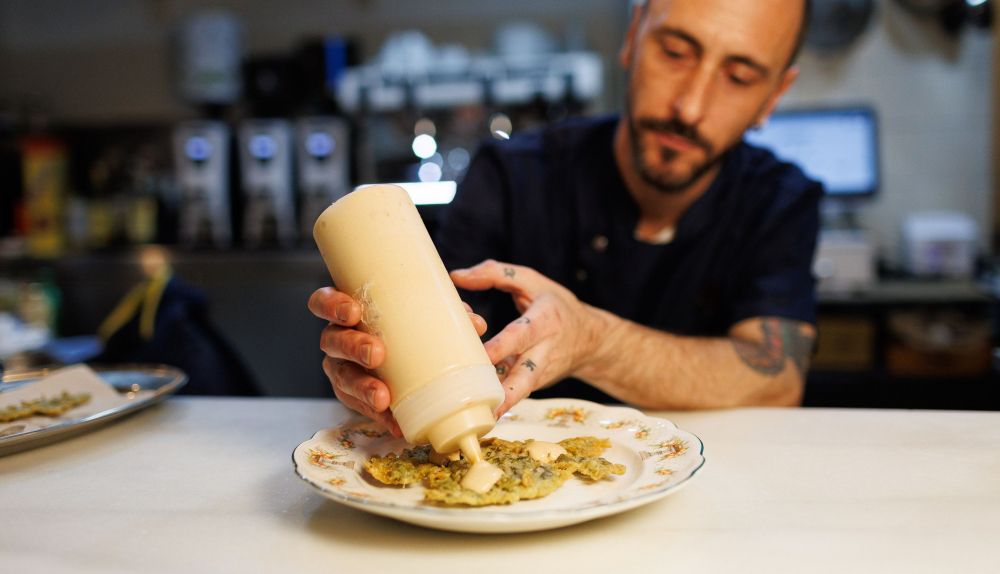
<point>523,378</point>
<point>477,320</point>
<point>504,367</point>
<point>490,274</point>
<point>353,345</point>
<point>358,390</point>
<point>518,336</point>
<point>357,385</point>
<point>479,323</point>
<point>335,306</point>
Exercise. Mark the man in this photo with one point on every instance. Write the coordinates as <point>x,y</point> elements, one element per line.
<point>656,257</point>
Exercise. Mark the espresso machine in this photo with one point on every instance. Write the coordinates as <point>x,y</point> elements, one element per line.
<point>201,157</point>
<point>322,150</point>
<point>266,172</point>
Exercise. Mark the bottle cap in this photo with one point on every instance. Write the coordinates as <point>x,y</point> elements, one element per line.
<point>459,403</point>
<point>462,430</point>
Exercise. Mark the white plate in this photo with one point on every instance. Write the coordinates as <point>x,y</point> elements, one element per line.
<point>140,385</point>
<point>658,457</point>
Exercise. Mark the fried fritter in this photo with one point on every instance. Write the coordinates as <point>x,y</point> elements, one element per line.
<point>44,406</point>
<point>523,478</point>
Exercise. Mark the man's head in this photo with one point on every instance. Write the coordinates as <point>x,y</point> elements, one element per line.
<point>701,72</point>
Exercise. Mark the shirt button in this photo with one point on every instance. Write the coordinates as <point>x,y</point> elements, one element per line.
<point>581,275</point>
<point>599,243</point>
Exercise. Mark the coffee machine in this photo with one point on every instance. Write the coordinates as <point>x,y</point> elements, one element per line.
<point>322,150</point>
<point>201,157</point>
<point>266,174</point>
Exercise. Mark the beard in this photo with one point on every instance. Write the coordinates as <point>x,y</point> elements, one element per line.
<point>654,174</point>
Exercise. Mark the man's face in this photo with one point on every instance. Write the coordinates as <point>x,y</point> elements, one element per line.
<point>701,72</point>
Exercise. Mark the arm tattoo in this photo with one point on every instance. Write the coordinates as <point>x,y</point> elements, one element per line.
<point>523,320</point>
<point>508,272</point>
<point>783,339</point>
<point>529,364</point>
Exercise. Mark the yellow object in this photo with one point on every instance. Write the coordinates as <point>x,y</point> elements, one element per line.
<point>45,182</point>
<point>144,300</point>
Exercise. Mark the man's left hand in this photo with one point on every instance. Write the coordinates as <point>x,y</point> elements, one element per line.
<point>555,335</point>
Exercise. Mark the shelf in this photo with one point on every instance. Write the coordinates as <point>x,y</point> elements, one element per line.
<point>910,292</point>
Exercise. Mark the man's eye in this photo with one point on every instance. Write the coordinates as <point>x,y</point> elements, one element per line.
<point>676,52</point>
<point>743,76</point>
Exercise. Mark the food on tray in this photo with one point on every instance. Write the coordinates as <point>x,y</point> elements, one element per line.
<point>49,407</point>
<point>531,469</point>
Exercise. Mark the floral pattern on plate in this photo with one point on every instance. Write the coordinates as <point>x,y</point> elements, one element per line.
<point>659,458</point>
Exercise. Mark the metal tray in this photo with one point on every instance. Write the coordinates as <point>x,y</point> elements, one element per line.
<point>163,380</point>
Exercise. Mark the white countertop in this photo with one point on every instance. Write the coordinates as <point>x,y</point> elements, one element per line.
<point>207,485</point>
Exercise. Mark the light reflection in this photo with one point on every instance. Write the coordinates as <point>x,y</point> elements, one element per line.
<point>429,172</point>
<point>501,127</point>
<point>458,159</point>
<point>430,193</point>
<point>424,146</point>
<point>425,126</point>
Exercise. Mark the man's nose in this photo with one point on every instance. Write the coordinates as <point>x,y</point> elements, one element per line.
<point>693,101</point>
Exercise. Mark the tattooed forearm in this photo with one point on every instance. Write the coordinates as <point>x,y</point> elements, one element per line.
<point>782,339</point>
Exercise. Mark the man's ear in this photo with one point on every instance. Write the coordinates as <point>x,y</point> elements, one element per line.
<point>628,45</point>
<point>788,78</point>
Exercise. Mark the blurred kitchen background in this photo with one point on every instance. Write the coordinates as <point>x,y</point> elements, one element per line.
<point>204,137</point>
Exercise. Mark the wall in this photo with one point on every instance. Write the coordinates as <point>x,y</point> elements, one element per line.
<point>933,96</point>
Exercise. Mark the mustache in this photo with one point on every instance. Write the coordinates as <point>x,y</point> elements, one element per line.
<point>677,128</point>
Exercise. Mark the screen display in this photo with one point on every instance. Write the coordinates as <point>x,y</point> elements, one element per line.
<point>838,147</point>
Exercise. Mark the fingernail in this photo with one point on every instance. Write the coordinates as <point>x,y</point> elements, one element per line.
<point>371,398</point>
<point>366,354</point>
<point>343,311</point>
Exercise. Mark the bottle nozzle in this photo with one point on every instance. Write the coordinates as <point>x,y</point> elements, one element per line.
<point>469,445</point>
<point>482,475</point>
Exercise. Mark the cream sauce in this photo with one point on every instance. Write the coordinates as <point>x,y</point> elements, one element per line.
<point>545,451</point>
<point>481,477</point>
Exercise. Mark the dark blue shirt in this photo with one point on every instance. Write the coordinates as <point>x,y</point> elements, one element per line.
<point>554,200</point>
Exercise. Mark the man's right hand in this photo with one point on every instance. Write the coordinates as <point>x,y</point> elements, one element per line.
<point>352,355</point>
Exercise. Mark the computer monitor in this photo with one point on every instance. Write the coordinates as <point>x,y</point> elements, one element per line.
<point>837,146</point>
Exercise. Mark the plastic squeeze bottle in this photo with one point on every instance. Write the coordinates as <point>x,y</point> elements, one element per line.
<point>443,387</point>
